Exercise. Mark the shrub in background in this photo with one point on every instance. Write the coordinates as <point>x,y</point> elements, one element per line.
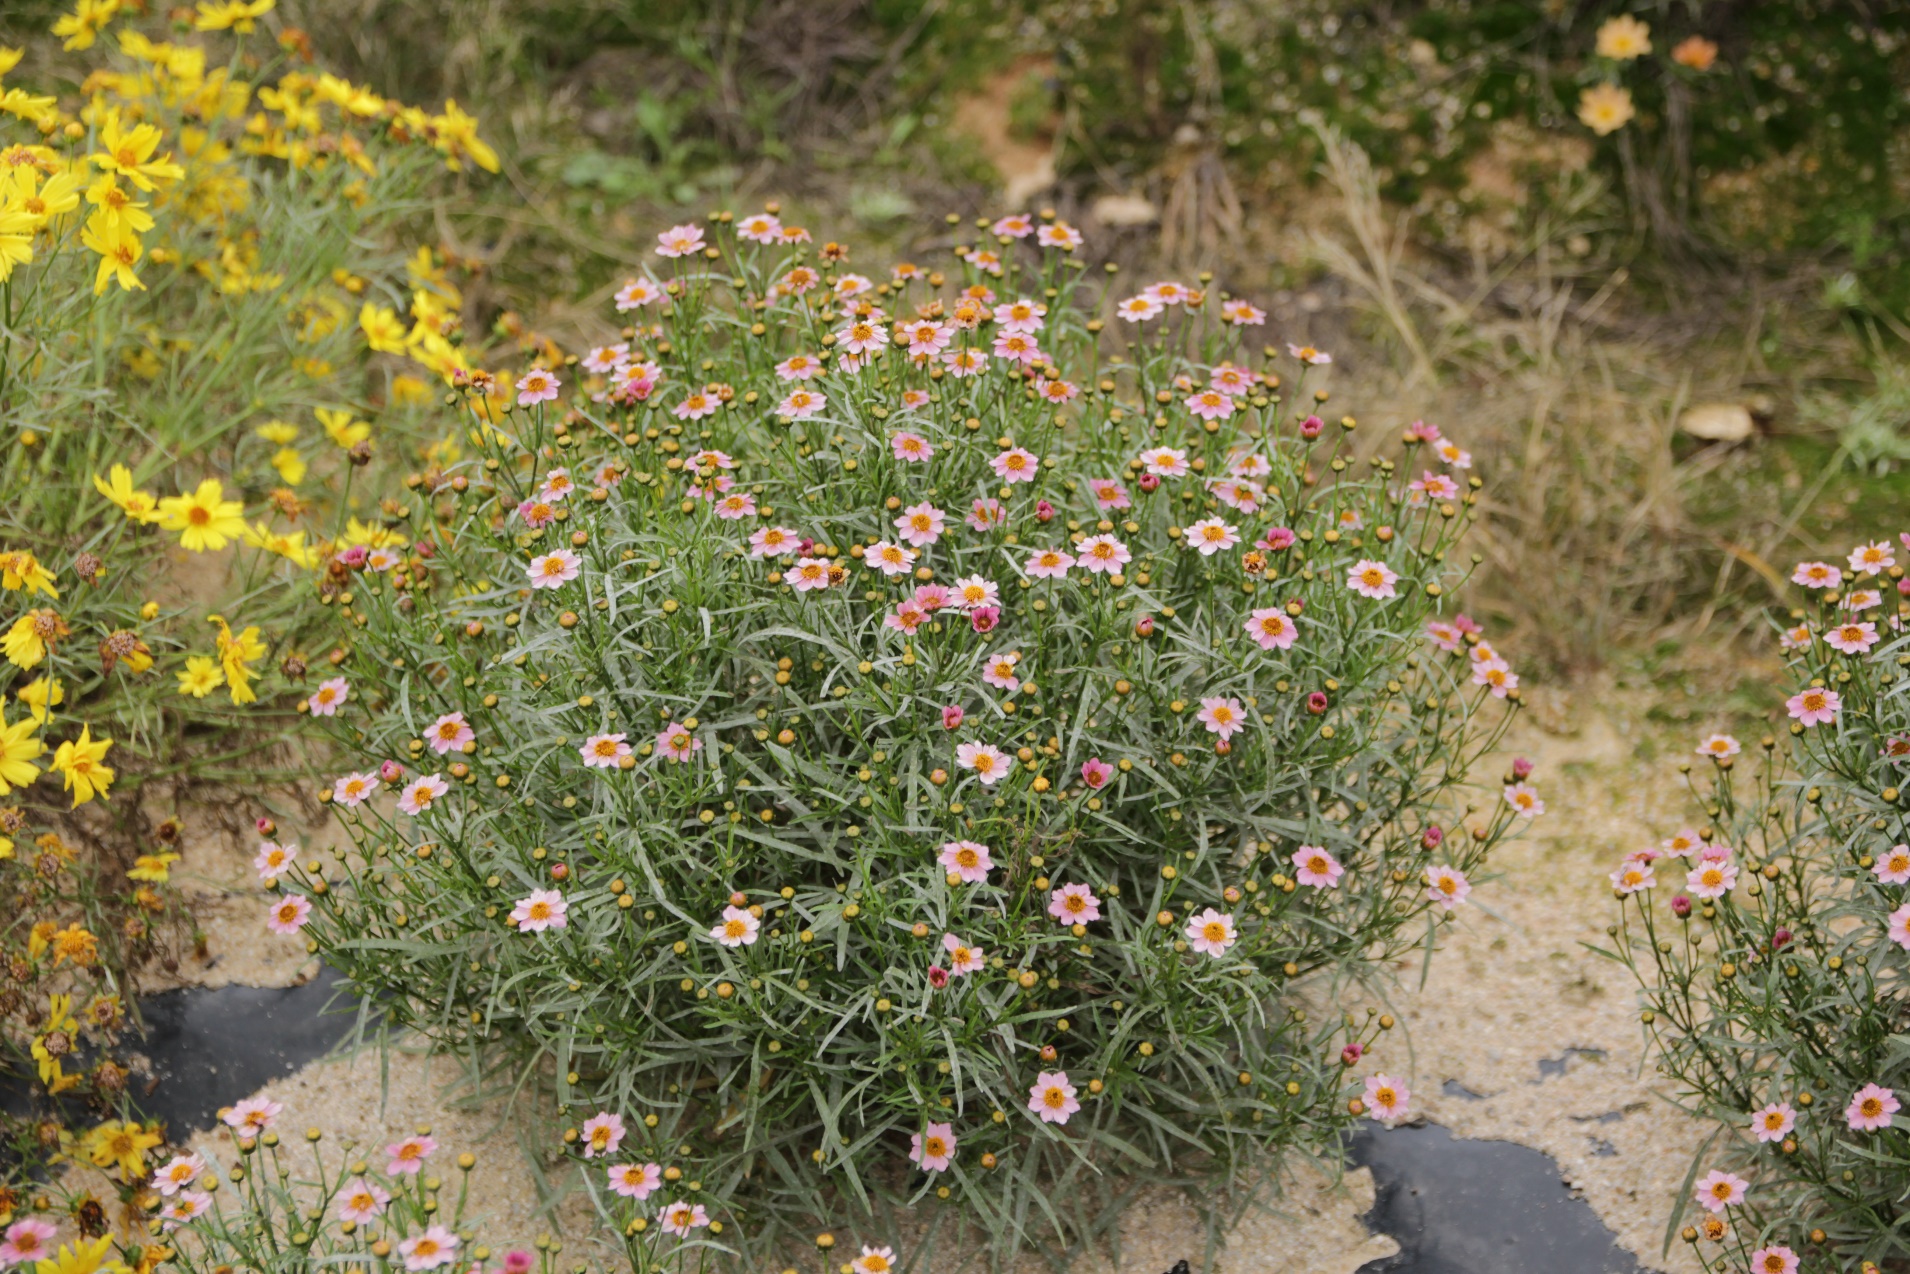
<point>1773,942</point>
<point>892,739</point>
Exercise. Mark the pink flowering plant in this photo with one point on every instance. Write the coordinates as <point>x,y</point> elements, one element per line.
<point>862,733</point>
<point>1773,942</point>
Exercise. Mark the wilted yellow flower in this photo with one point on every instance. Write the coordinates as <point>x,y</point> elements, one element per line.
<point>25,643</point>
<point>201,676</point>
<point>81,762</point>
<point>1605,108</point>
<point>75,943</point>
<point>1623,38</point>
<point>205,519</point>
<point>55,1039</point>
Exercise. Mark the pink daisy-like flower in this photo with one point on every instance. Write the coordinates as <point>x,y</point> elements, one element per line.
<point>984,514</point>
<point>274,860</point>
<point>696,405</point>
<point>737,928</point>
<point>799,367</point>
<point>29,1241</point>
<point>934,1148</point>
<point>962,958</point>
<point>1446,886</point>
<point>1074,905</point>
<point>1445,636</point>
<point>862,338</point>
<point>1137,308</point>
<point>1307,354</point>
<point>1211,536</point>
<point>972,591</point>
<point>963,363</point>
<point>636,1180</point>
<point>681,1218</point>
<point>874,1260</point>
<point>638,293</point>
<point>326,699</point>
<point>999,671</point>
<point>1052,1097</point>
<point>1386,1098</point>
<point>928,339</point>
<point>1047,564</point>
<point>1451,453</point>
<point>554,569</point>
<point>911,448</point>
<point>1109,494</point>
<point>680,241</point>
<point>1165,462</point>
<point>810,574</point>
<point>186,1207</point>
<point>990,764</point>
<point>1239,495</point>
<point>1272,628</point>
<point>1871,1108</point>
<point>1524,798</point>
<point>1222,716</point>
<point>1632,876</point>
<point>421,793</point>
<point>544,909</point>
<point>1873,559</point>
<point>1717,746</point>
<point>449,733</point>
<point>733,508</point>
<point>906,618</point>
<point>773,541</point>
<point>406,1158</point>
<point>1774,1259</point>
<point>354,789</point>
<point>1211,933</point>
<point>1496,675</point>
<point>1817,575</point>
<point>602,1134</point>
<point>1712,878</point>
<point>1372,579</point>
<point>1893,865</point>
<point>604,751</point>
<point>922,524</point>
<point>1814,706</point>
<point>967,859</point>
<point>178,1172</point>
<point>1774,1122</point>
<point>1242,314</point>
<point>1210,404</point>
<point>606,358</point>
<point>1719,1190</point>
<point>1015,465</point>
<point>1316,868</point>
<point>536,386</point>
<point>801,404</point>
<point>436,1246</point>
<point>890,559</point>
<point>1102,555</point>
<point>1897,925</point>
<point>677,743</point>
<point>1095,773</point>
<point>289,914</point>
<point>761,227</point>
<point>252,1116</point>
<point>1851,639</point>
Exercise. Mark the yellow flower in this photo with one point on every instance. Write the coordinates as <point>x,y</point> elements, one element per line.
<point>384,330</point>
<point>281,433</point>
<point>80,27</point>
<point>156,868</point>
<point>42,695</point>
<point>289,545</point>
<point>81,762</point>
<point>77,944</point>
<point>290,466</point>
<point>1605,108</point>
<point>25,644</point>
<point>121,1145</point>
<point>233,15</point>
<point>10,58</point>
<point>17,101</point>
<point>39,200</point>
<point>205,519</point>
<point>1624,38</point>
<point>116,207</point>
<point>140,506</point>
<point>201,677</point>
<point>457,138</point>
<point>82,1257</point>
<point>128,152</point>
<point>341,428</point>
<point>234,654</point>
<point>23,570</point>
<point>19,745</point>
<point>119,251</point>
<point>55,1039</point>
<point>371,536</point>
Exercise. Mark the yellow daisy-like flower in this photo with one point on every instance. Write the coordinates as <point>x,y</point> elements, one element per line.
<point>82,26</point>
<point>120,1145</point>
<point>371,535</point>
<point>119,251</point>
<point>25,644</point>
<point>19,745</point>
<point>1605,108</point>
<point>128,152</point>
<point>205,519</point>
<point>281,433</point>
<point>1624,38</point>
<point>384,330</point>
<point>41,696</point>
<point>201,676</point>
<point>153,868</point>
<point>290,466</point>
<point>82,763</point>
<point>140,506</point>
<point>341,428</point>
<point>22,570</point>
<point>82,1257</point>
<point>235,652</point>
<point>289,545</point>
<point>231,15</point>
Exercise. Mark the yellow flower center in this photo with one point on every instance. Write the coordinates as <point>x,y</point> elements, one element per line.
<point>540,910</point>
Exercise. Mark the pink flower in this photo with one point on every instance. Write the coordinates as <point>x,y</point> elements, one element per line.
<point>636,1180</point>
<point>680,1218</point>
<point>1524,798</point>
<point>187,1206</point>
<point>636,293</point>
<point>922,524</point>
<point>544,909</point>
<point>179,1172</point>
<point>927,339</point>
<point>354,789</point>
<point>772,541</point>
<point>1372,579</point>
<point>449,733</point>
<point>1048,564</point>
<point>289,914</point>
<point>1165,462</point>
<point>990,764</point>
<point>984,514</point>
<point>1774,1122</point>
<point>962,958</point>
<point>604,751</point>
<point>390,771</point>
<point>554,569</point>
<point>1017,225</point>
<point>1242,314</point>
<point>1386,1097</point>
<point>1211,404</point>
<point>1109,494</point>
<point>1136,308</point>
<point>1052,1097</point>
<point>801,404</point>
<point>1277,540</point>
<point>911,448</point>
<point>1210,536</point>
<point>420,793</point>
<point>967,859</point>
<point>1211,933</point>
<point>1632,876</point>
<point>1851,639</point>
<point>326,699</point>
<point>732,508</point>
<point>1074,905</point>
<point>1717,746</point>
<point>1873,558</point>
<point>1774,1259</point>
<point>1894,867</point>
<point>407,1157</point>
<point>273,860</point>
<point>1316,868</point>
<point>809,574</point>
<point>933,1149</point>
<point>1712,878</point>
<point>518,1261</point>
<point>1095,772</point>
<point>1720,1190</point>
<point>890,559</point>
<point>603,1133</point>
<point>952,717</point>
<point>1898,926</point>
<point>1272,628</point>
<point>874,1260</point>
<point>677,743</point>
<point>252,1116</point>
<point>1446,886</point>
<point>1307,354</point>
<point>680,241</point>
<point>1222,716</point>
<point>1103,555</point>
<point>999,671</point>
<point>1817,575</point>
<point>1870,1108</point>
<point>29,1241</point>
<point>436,1246</point>
<point>1015,465</point>
<point>737,928</point>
